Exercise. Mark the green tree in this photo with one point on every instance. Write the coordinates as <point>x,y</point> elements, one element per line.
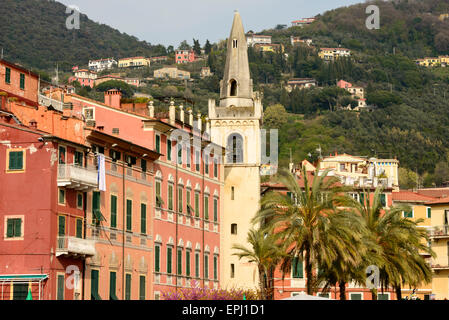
<point>313,228</point>
<point>265,254</point>
<point>275,116</point>
<point>126,89</point>
<point>184,45</point>
<point>207,47</point>
<point>196,47</point>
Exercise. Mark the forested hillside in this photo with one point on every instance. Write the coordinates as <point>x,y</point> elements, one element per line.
<point>34,33</point>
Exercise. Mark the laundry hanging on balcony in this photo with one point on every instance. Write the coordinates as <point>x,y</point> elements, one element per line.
<point>101,172</point>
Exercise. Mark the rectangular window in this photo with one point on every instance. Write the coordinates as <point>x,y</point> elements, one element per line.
<point>197,204</point>
<point>232,193</point>
<point>15,160</point>
<point>215,209</point>
<point>188,155</point>
<point>197,264</point>
<point>169,259</point>
<point>8,75</point>
<point>215,168</point>
<point>79,228</point>
<point>61,226</point>
<point>157,258</point>
<point>206,164</point>
<point>158,194</point>
<point>383,296</point>
<point>215,268</point>
<point>324,295</point>
<point>62,155</point>
<point>197,160</point>
<point>170,197</point>
<point>79,200</point>
<point>142,288</point>
<point>429,212</point>
<point>355,296</point>
<point>143,165</point>
<point>206,208</point>
<point>129,214</point>
<point>179,146</point>
<point>232,270</point>
<point>158,144</point>
<point>297,268</point>
<point>143,218</point>
<point>112,285</point>
<point>61,286</point>
<point>14,228</point>
<point>383,200</point>
<point>168,149</point>
<point>179,262</point>
<point>61,197</point>
<point>187,263</point>
<point>22,81</point>
<point>20,291</point>
<point>113,211</point>
<point>128,287</point>
<point>189,211</point>
<point>96,207</point>
<point>94,285</point>
<point>206,266</point>
<point>79,158</point>
<point>408,214</point>
<point>180,204</point>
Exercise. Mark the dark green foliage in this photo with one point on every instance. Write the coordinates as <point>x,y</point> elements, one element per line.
<point>126,89</point>
<point>34,32</point>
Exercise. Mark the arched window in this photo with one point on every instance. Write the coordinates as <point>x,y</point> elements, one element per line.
<point>234,43</point>
<point>235,148</point>
<point>233,85</point>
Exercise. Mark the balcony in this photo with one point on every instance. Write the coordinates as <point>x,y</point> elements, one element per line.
<point>72,246</point>
<point>56,104</point>
<point>439,267</point>
<point>75,177</point>
<point>439,232</point>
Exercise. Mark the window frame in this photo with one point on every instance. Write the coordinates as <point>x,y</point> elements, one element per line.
<point>7,75</point>
<point>22,227</point>
<point>63,203</point>
<point>81,207</point>
<point>8,160</point>
<point>113,215</point>
<point>143,218</point>
<point>22,81</point>
<point>129,215</point>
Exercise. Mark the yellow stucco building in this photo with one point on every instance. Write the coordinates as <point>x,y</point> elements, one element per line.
<point>134,62</point>
<point>439,234</point>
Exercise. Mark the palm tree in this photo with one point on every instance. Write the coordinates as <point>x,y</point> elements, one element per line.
<point>265,254</point>
<point>399,243</point>
<point>309,225</point>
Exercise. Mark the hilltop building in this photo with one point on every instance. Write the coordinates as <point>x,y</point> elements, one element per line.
<point>300,83</point>
<point>134,62</point>
<point>302,22</point>
<point>331,54</point>
<point>185,56</point>
<point>102,64</point>
<point>253,39</point>
<point>172,73</point>
<point>85,77</point>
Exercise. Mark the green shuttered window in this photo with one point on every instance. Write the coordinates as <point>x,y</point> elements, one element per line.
<point>197,204</point>
<point>14,228</point>
<point>158,144</point>
<point>79,228</point>
<point>197,264</point>
<point>297,268</point>
<point>141,287</point>
<point>112,285</point>
<point>170,197</point>
<point>8,75</point>
<point>188,263</point>
<point>129,214</point>
<point>169,260</point>
<point>179,262</point>
<point>22,81</point>
<point>113,211</point>
<point>206,266</point>
<point>128,287</point>
<point>215,209</point>
<point>215,268</point>
<point>94,279</point>
<point>143,218</point>
<point>206,207</point>
<point>60,294</point>
<point>168,149</point>
<point>157,258</point>
<point>61,226</point>
<point>15,160</point>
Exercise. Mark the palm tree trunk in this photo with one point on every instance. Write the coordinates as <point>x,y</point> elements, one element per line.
<point>398,292</point>
<point>309,275</point>
<point>262,284</point>
<point>373,294</point>
<point>342,290</point>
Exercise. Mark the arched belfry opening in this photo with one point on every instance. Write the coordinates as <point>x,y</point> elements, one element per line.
<point>234,43</point>
<point>234,148</point>
<point>233,90</point>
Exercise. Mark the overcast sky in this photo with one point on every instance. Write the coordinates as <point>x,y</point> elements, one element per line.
<point>169,22</point>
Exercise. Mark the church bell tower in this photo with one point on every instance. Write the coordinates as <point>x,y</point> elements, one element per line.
<point>235,124</point>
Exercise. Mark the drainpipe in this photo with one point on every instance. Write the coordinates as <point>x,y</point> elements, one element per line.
<point>202,204</point>
<point>123,231</point>
<point>177,216</point>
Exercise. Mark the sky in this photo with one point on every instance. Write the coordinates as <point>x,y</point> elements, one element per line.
<point>170,22</point>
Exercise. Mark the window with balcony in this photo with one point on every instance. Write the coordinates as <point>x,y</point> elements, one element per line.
<point>62,152</point>
<point>78,160</point>
<point>61,225</point>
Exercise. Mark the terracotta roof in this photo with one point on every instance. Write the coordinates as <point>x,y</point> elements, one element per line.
<point>411,196</point>
<point>435,192</point>
<point>439,201</point>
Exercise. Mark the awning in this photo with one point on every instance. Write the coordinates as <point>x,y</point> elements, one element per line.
<point>23,277</point>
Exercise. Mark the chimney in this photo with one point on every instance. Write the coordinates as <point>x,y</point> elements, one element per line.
<point>181,113</point>
<point>172,113</point>
<point>112,98</point>
<point>151,108</point>
<point>190,112</point>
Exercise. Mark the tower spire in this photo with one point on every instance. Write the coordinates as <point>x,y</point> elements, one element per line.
<point>236,88</point>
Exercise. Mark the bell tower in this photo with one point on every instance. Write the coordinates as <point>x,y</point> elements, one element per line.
<point>235,124</point>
